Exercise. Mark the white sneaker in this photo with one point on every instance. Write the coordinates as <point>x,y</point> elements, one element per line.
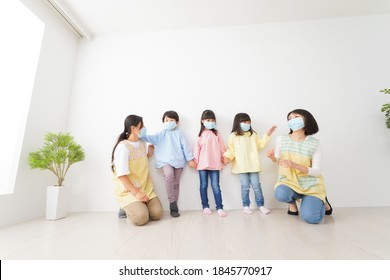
<point>247,210</point>
<point>206,211</point>
<point>221,213</point>
<point>264,210</point>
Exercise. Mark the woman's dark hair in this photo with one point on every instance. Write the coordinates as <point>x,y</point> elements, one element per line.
<point>171,115</point>
<point>207,114</point>
<point>131,120</point>
<point>311,126</point>
<point>239,118</point>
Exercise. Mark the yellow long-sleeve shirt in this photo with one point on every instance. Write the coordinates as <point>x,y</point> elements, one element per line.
<point>243,151</point>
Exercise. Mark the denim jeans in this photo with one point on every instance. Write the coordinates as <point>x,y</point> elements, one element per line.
<point>312,208</point>
<point>214,178</point>
<point>246,180</point>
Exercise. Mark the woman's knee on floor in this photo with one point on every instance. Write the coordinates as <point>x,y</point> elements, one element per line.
<point>312,210</point>
<point>311,217</point>
<point>140,220</point>
<point>283,194</point>
<point>155,209</point>
<point>137,213</point>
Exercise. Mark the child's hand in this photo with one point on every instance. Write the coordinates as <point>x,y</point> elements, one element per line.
<point>226,160</point>
<point>271,130</point>
<point>192,163</point>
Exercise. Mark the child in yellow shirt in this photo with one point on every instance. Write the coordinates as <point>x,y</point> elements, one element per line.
<point>243,149</point>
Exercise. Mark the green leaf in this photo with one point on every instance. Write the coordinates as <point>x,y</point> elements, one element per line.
<point>58,153</point>
<point>385,91</point>
<point>386,107</point>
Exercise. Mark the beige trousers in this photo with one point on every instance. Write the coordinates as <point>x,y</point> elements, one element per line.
<point>140,213</point>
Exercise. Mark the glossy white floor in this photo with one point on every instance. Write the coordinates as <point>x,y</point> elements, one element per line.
<point>349,234</point>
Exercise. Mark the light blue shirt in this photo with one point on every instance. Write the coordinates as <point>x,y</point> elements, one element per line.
<point>171,148</point>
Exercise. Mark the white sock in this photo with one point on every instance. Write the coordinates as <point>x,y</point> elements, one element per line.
<point>247,210</point>
<point>264,210</point>
<point>221,213</point>
<point>207,211</point>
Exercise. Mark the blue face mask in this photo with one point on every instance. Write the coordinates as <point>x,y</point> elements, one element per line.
<point>209,125</point>
<point>142,132</point>
<point>170,125</point>
<point>296,124</point>
<point>245,126</point>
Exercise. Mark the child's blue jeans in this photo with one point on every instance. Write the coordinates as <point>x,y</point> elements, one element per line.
<point>246,180</point>
<point>214,178</point>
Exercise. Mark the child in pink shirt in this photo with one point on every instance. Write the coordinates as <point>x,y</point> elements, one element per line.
<point>208,154</point>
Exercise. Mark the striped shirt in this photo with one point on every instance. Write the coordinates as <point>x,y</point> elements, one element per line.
<point>303,153</point>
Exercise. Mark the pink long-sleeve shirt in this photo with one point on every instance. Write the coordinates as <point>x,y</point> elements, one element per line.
<point>208,151</point>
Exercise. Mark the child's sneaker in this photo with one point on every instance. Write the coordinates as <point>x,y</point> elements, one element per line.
<point>247,210</point>
<point>221,213</point>
<point>206,211</point>
<point>264,210</point>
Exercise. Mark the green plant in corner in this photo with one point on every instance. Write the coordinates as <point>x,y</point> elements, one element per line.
<point>58,153</point>
<point>386,107</point>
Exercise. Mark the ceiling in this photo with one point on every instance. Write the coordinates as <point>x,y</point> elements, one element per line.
<point>101,17</point>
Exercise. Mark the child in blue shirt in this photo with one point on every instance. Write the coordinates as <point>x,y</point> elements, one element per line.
<point>172,152</point>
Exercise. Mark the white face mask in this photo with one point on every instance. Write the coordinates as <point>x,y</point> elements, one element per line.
<point>209,125</point>
<point>170,125</point>
<point>245,126</point>
<point>142,132</point>
<point>296,124</point>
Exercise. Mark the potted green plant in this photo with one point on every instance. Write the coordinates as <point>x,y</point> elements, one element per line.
<point>58,153</point>
<point>386,107</point>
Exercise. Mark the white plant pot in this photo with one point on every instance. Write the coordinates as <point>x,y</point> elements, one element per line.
<point>57,202</point>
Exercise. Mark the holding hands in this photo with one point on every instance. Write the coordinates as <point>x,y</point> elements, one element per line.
<point>226,160</point>
<point>192,164</point>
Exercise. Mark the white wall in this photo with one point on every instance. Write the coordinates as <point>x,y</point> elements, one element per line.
<point>334,68</point>
<point>48,111</point>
